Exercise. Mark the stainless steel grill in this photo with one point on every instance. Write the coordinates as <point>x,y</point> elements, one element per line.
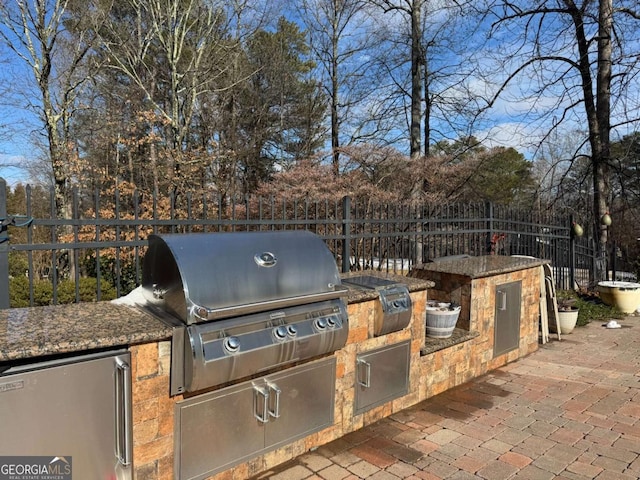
<point>243,303</point>
<point>393,312</point>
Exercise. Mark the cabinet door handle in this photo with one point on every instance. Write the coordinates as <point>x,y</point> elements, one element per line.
<point>261,404</point>
<point>366,383</point>
<point>275,412</point>
<point>503,300</point>
<point>123,412</point>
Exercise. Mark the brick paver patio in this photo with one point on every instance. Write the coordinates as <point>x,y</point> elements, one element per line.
<point>570,410</point>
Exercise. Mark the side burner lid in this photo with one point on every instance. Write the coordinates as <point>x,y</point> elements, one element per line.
<point>395,302</point>
<point>369,281</point>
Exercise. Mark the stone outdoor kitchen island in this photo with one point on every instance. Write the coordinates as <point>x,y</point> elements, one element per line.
<point>432,366</point>
<point>500,307</point>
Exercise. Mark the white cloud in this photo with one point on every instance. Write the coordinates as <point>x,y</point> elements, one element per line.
<point>13,169</point>
<point>520,136</point>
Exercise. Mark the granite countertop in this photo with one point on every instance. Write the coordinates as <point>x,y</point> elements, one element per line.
<point>38,331</point>
<point>60,329</point>
<point>357,295</point>
<point>484,266</point>
<point>459,335</point>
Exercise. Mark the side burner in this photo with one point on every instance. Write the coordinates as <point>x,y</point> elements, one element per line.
<point>394,312</point>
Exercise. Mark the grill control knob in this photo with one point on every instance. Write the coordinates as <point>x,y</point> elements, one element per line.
<point>331,321</point>
<point>321,323</point>
<point>232,344</point>
<point>280,333</point>
<point>292,330</point>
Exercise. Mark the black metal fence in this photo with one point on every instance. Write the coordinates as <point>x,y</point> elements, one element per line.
<point>97,253</point>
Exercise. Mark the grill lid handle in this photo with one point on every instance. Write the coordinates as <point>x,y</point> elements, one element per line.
<point>204,313</point>
<point>265,259</point>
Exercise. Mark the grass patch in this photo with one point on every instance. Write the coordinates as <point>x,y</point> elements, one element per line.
<point>592,309</point>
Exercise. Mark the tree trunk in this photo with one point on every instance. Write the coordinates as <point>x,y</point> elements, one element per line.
<point>602,151</point>
<point>416,78</point>
<point>598,111</point>
<point>153,165</point>
<point>335,141</point>
<point>427,109</point>
<point>416,114</point>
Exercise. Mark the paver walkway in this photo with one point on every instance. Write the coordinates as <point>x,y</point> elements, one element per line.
<point>569,410</point>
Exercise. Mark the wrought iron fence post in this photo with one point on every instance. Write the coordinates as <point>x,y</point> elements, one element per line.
<point>572,254</point>
<point>614,259</point>
<point>592,257</point>
<point>419,237</point>
<point>489,220</point>
<point>4,247</point>
<point>346,234</point>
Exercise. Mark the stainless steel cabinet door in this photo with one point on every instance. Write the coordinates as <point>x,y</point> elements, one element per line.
<point>217,430</point>
<point>381,375</point>
<point>507,318</point>
<point>79,410</point>
<point>300,402</point>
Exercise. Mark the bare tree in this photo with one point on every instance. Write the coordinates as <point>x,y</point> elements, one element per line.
<point>426,51</point>
<point>583,55</point>
<point>339,38</point>
<point>413,10</point>
<point>174,53</point>
<point>451,108</point>
<point>37,33</point>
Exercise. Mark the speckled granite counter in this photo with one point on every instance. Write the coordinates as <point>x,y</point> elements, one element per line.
<point>40,331</point>
<point>458,336</point>
<point>484,266</point>
<point>61,329</point>
<point>474,283</point>
<point>357,295</point>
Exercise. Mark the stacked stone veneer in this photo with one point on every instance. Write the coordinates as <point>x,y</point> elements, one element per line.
<point>477,298</point>
<point>152,411</point>
<point>460,363</point>
<point>430,374</point>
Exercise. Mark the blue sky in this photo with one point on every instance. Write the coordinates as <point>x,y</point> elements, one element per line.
<point>15,150</point>
<point>509,123</point>
<point>16,146</point>
<point>16,122</point>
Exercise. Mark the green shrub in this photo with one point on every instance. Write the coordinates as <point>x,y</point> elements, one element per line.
<point>19,292</point>
<point>125,273</point>
<point>43,291</point>
<point>18,264</point>
<point>87,290</point>
<point>592,309</point>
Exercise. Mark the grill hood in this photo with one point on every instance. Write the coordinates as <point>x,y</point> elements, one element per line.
<point>208,276</point>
